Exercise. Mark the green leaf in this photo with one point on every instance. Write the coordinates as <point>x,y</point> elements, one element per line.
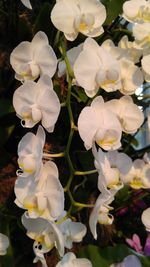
<point>81,94</point>
<point>109,255</point>
<point>93,254</point>
<point>122,195</point>
<point>113,8</point>
<point>104,257</point>
<point>145,261</point>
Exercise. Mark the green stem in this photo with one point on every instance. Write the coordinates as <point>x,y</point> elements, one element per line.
<point>56,41</point>
<point>69,103</point>
<point>78,204</point>
<point>72,129</point>
<point>75,96</point>
<point>48,155</point>
<point>72,125</point>
<point>67,152</point>
<point>66,188</point>
<point>122,30</point>
<point>85,173</point>
<point>68,66</point>
<point>63,104</point>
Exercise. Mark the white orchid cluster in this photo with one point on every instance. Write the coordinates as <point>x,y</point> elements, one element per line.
<point>101,124</point>
<point>37,188</point>
<point>39,192</point>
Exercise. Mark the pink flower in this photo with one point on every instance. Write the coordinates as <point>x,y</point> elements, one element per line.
<point>135,243</point>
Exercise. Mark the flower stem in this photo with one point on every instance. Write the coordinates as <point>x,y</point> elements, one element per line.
<point>72,125</point>
<point>58,155</point>
<point>78,204</point>
<point>63,104</point>
<point>85,173</point>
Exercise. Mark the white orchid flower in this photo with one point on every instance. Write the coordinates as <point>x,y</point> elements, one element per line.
<point>139,175</point>
<point>30,152</point>
<point>74,16</point>
<point>141,32</point>
<point>129,261</point>
<point>137,11</point>
<point>36,102</point>
<point>146,67</point>
<point>26,3</point>
<point>43,198</point>
<point>115,51</point>
<point>46,236</point>
<point>72,232</point>
<point>131,77</point>
<point>111,166</point>
<point>128,113</point>
<point>72,55</point>
<point>95,67</point>
<point>125,49</point>
<point>98,124</point>
<point>70,260</point>
<point>101,211</point>
<point>145,219</point>
<point>4,244</point>
<point>130,49</point>
<point>39,258</point>
<point>33,59</point>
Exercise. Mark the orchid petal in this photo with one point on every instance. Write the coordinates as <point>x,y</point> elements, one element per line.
<point>145,219</point>
<point>70,260</point>
<point>4,244</point>
<point>26,3</point>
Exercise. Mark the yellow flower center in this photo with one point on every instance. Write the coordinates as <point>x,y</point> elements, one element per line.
<point>136,183</point>
<point>27,164</point>
<point>45,241</point>
<point>144,14</point>
<point>83,26</point>
<point>30,203</point>
<point>106,78</point>
<point>84,22</point>
<point>26,115</point>
<point>107,142</point>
